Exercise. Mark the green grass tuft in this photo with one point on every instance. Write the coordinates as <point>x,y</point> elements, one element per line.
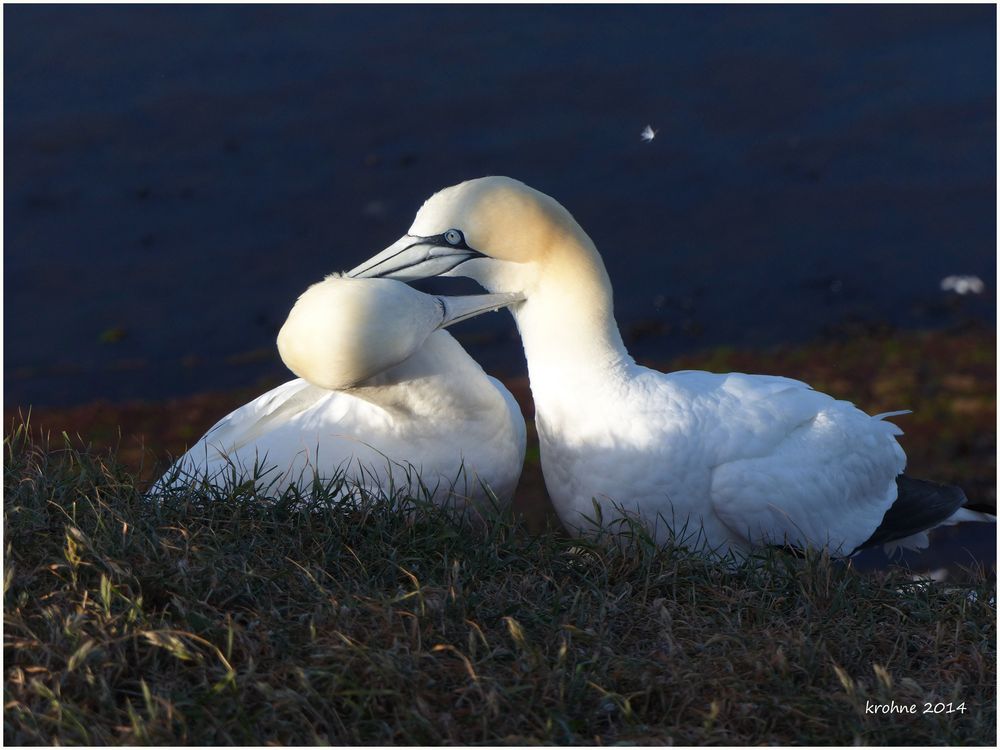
<point>224,620</point>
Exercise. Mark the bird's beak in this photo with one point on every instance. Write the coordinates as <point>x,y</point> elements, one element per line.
<point>456,309</point>
<point>412,258</point>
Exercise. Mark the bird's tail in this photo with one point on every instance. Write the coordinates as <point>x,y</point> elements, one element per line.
<point>920,506</point>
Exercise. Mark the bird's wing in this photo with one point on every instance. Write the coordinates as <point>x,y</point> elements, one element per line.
<point>248,427</point>
<point>250,421</point>
<point>798,467</point>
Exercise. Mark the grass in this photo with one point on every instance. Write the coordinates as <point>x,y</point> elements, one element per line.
<point>224,620</point>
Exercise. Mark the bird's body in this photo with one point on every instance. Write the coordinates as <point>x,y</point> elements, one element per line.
<point>432,422</point>
<point>730,461</point>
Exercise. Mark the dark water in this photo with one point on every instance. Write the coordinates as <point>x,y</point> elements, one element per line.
<point>174,175</point>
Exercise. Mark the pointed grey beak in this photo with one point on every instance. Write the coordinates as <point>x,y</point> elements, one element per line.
<point>456,309</point>
<point>412,258</point>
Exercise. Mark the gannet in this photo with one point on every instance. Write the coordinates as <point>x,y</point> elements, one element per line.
<point>384,399</point>
<point>730,461</point>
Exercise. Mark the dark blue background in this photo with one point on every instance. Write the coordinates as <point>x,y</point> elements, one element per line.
<point>175,175</point>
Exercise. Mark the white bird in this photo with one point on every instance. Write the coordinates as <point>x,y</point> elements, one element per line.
<point>730,461</point>
<point>384,399</point>
<point>648,134</point>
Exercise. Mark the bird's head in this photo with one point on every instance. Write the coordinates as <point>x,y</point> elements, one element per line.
<point>342,332</point>
<point>494,230</point>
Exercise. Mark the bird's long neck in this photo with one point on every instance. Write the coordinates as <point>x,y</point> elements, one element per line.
<point>571,340</point>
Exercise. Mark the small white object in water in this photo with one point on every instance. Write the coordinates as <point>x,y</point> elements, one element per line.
<point>648,134</point>
<point>963,284</point>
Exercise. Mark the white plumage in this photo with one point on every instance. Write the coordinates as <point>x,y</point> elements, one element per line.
<point>385,399</point>
<point>730,461</point>
<point>734,458</point>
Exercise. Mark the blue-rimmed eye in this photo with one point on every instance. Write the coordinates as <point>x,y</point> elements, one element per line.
<point>453,236</point>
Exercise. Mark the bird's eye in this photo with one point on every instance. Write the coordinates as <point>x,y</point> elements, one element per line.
<point>453,236</point>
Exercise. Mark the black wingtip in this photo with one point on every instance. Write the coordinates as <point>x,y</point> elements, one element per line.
<point>920,505</point>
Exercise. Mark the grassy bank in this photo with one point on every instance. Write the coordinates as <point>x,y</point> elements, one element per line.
<point>222,620</point>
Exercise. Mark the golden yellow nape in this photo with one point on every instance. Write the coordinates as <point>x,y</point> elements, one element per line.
<point>342,331</point>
